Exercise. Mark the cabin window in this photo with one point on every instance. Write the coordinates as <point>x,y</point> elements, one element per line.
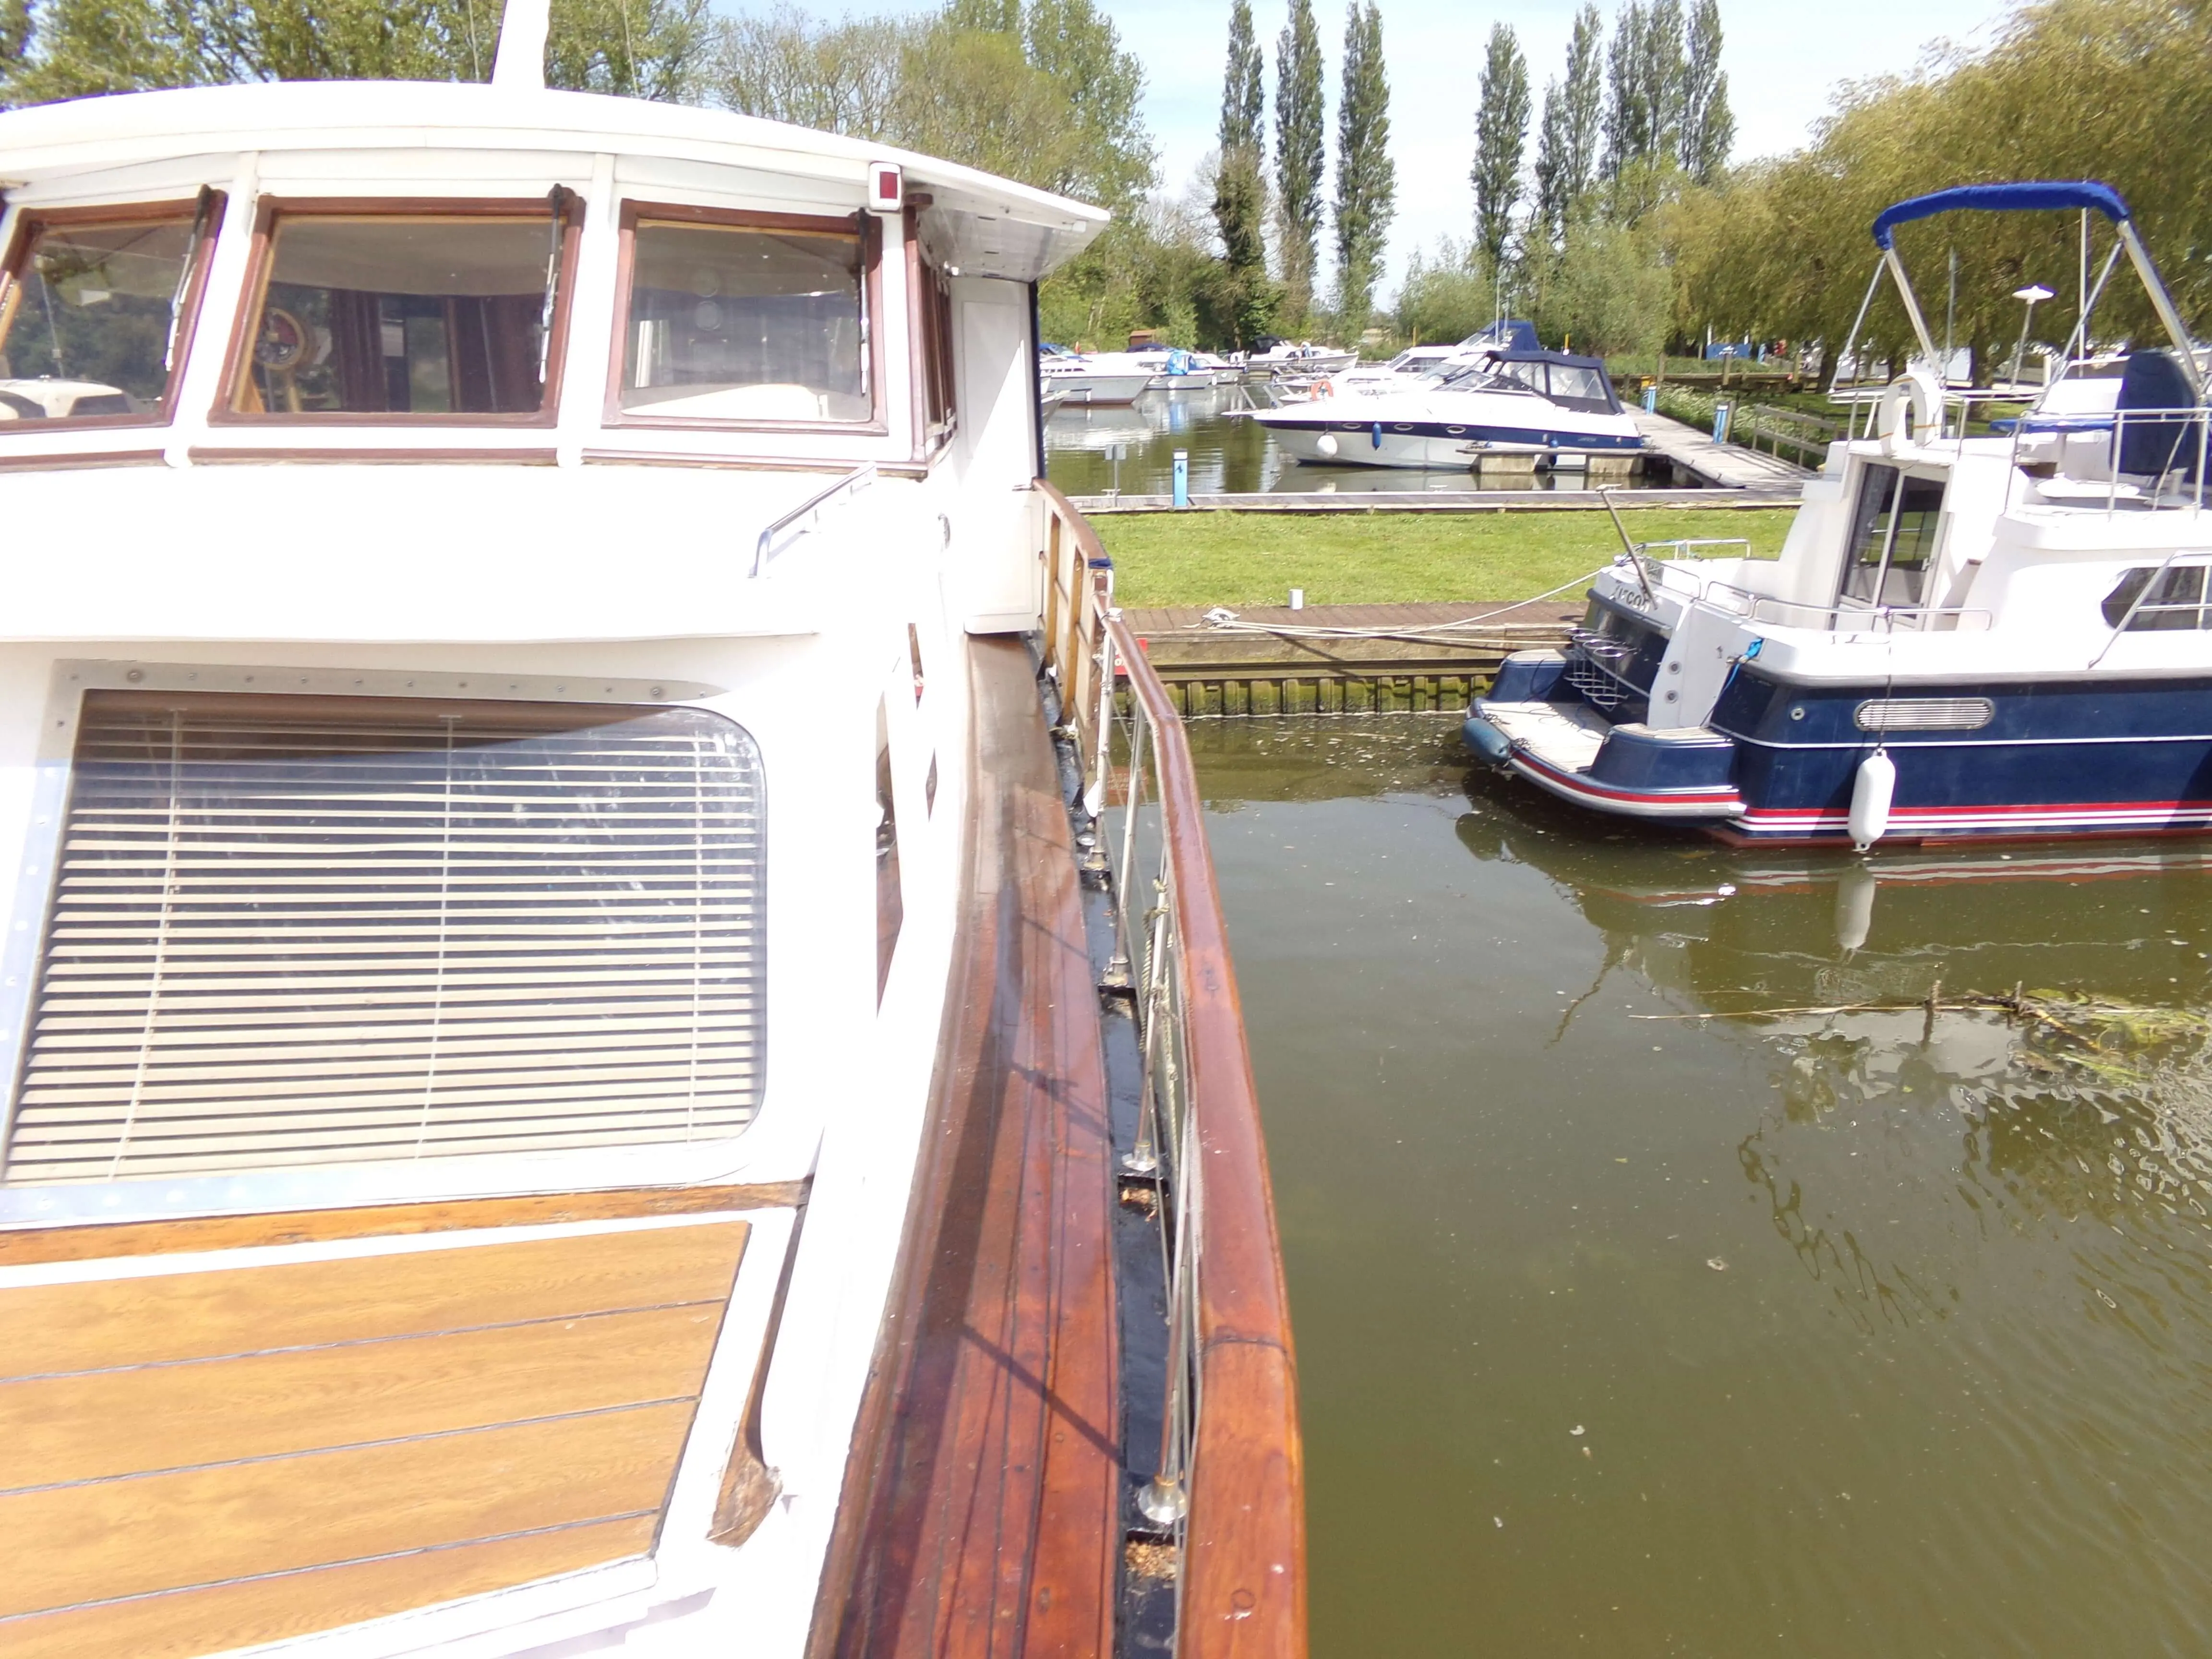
<point>95,312</point>
<point>2175,602</point>
<point>1892,537</point>
<point>743,323</point>
<point>295,931</point>
<point>440,315</point>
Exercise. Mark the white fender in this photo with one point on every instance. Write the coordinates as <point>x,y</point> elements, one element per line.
<point>1326,443</point>
<point>1916,389</point>
<point>1870,797</point>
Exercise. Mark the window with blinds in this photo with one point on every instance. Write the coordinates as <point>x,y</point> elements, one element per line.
<point>292,931</point>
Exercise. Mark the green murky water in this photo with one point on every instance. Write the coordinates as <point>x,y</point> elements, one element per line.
<point>1835,1334</point>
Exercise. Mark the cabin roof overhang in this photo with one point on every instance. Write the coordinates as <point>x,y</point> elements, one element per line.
<point>991,227</point>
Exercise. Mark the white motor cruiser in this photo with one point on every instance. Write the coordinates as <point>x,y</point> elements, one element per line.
<point>1977,629</point>
<point>1539,406</point>
<point>1082,379</point>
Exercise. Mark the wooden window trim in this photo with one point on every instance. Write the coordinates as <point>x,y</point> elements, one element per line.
<point>267,210</point>
<point>32,221</point>
<point>871,312</point>
<point>929,352</point>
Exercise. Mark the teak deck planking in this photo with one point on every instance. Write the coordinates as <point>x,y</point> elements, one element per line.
<point>981,1507</point>
<point>211,1459</point>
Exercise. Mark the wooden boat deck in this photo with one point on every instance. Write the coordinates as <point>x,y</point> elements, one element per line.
<point>981,1509</point>
<point>212,1458</point>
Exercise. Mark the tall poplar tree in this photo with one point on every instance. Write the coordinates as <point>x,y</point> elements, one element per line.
<point>1366,182</point>
<point>1501,139</point>
<point>1566,145</point>
<point>1301,154</point>
<point>1708,124</point>
<point>1239,187</point>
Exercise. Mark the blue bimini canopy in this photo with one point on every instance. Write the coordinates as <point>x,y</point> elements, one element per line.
<point>2025,198</point>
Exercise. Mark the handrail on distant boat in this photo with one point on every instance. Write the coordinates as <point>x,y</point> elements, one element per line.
<point>1230,1485</point>
<point>863,474</point>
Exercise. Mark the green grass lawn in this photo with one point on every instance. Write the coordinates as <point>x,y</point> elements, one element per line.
<point>1206,558</point>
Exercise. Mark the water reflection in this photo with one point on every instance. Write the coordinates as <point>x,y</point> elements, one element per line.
<point>1228,455</point>
<point>1889,1333</point>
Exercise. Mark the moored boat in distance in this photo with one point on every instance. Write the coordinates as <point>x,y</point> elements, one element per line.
<point>1492,405</point>
<point>2005,635</point>
<point>561,1096</point>
<point>1083,380</point>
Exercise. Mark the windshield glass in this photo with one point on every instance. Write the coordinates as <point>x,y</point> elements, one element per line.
<point>1585,388</point>
<point>86,316</point>
<point>746,323</point>
<point>401,314</point>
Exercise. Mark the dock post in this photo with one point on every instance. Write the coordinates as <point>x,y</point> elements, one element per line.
<point>1720,423</point>
<point>1182,477</point>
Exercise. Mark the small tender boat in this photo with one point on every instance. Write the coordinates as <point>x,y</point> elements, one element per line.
<point>2001,635</point>
<point>557,1076</point>
<point>1498,402</point>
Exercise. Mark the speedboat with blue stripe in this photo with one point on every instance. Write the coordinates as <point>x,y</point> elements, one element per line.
<point>1969,634</point>
<point>1502,400</point>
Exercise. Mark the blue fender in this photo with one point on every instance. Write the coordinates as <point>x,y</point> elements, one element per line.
<point>1487,741</point>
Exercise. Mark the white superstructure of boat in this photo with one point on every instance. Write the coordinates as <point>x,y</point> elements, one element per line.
<point>555,1099</point>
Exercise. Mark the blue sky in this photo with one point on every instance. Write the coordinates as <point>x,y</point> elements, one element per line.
<point>1784,59</point>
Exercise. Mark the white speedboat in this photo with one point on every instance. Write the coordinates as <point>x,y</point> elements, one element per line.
<point>2000,636</point>
<point>1542,406</point>
<point>1300,359</point>
<point>555,1100</point>
<point>1079,379</point>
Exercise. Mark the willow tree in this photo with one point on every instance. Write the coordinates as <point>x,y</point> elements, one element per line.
<point>2119,90</point>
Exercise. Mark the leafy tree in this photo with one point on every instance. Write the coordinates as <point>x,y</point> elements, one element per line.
<point>1300,154</point>
<point>2119,90</point>
<point>785,66</point>
<point>971,95</point>
<point>1708,125</point>
<point>1366,182</point>
<point>1608,293</point>
<point>1566,146</point>
<point>1501,137</point>
<point>1445,295</point>
<point>1075,43</point>
<point>76,48</point>
<point>1240,183</point>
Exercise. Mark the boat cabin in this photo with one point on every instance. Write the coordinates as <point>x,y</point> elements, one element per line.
<point>491,750</point>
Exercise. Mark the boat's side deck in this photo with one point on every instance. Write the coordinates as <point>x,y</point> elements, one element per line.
<point>981,1505</point>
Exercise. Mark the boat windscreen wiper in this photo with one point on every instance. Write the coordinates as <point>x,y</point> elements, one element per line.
<point>202,212</point>
<point>559,200</point>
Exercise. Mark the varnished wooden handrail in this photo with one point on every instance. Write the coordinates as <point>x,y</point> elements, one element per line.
<point>1244,1574</point>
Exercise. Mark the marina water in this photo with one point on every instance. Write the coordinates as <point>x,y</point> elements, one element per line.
<point>1620,1332</point>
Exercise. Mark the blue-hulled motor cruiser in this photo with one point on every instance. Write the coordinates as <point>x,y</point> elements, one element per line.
<point>2006,634</point>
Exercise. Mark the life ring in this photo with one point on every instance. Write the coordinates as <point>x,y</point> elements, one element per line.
<point>1917,391</point>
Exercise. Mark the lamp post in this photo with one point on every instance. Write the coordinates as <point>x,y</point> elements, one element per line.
<point>2033,295</point>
